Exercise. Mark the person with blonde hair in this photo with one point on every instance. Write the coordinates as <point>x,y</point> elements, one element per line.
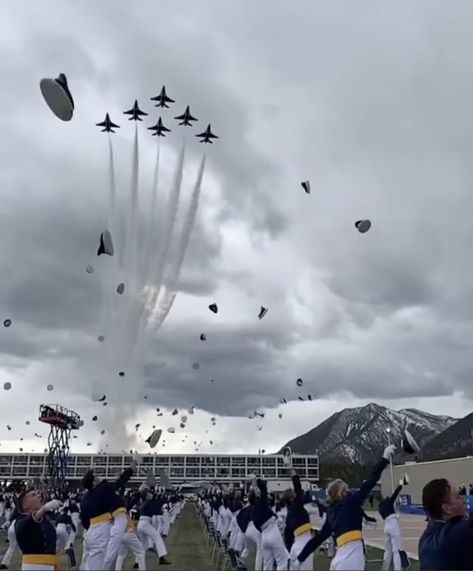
<point>345,520</point>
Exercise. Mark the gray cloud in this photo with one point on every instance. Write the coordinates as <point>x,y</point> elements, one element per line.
<point>372,103</point>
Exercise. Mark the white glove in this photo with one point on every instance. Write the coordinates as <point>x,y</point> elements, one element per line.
<point>53,505</point>
<point>401,482</point>
<point>389,451</point>
<point>294,564</point>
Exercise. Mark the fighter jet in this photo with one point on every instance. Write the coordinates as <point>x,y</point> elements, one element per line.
<point>135,112</point>
<point>162,99</point>
<point>108,125</point>
<point>207,135</point>
<point>159,128</point>
<point>186,117</point>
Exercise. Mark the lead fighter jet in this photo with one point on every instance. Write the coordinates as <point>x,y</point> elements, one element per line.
<point>162,99</point>
<point>186,117</point>
<point>159,128</point>
<point>107,125</point>
<point>207,135</point>
<point>135,112</point>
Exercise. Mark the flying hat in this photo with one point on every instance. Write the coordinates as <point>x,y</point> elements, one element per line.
<point>405,480</point>
<point>101,338</point>
<point>363,226</point>
<point>98,397</point>
<point>7,323</point>
<point>153,439</point>
<point>120,288</point>
<point>203,337</point>
<point>306,186</point>
<point>58,97</point>
<point>195,365</point>
<point>263,311</point>
<point>50,388</point>
<point>175,411</point>
<point>182,425</point>
<point>89,269</point>
<point>299,382</point>
<point>121,373</point>
<point>409,445</point>
<point>7,386</point>
<point>280,415</point>
<point>184,419</point>
<point>106,244</point>
<point>171,430</point>
<point>213,307</point>
<point>95,418</point>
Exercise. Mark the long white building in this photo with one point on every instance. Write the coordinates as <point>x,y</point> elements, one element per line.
<point>180,468</point>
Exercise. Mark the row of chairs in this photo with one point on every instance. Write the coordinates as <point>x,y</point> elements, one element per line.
<point>221,555</point>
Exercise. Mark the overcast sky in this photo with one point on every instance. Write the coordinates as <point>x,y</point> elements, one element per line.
<point>369,100</point>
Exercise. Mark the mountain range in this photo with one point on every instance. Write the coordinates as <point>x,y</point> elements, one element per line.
<point>359,435</point>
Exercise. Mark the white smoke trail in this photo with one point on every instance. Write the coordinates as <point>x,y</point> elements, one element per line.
<point>187,226</point>
<point>169,222</point>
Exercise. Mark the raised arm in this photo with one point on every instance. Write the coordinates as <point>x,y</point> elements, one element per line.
<point>366,487</point>
<point>324,533</point>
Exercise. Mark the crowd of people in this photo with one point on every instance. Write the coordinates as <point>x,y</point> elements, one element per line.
<point>110,519</point>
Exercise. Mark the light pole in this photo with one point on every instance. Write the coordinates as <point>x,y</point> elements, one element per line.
<point>388,431</point>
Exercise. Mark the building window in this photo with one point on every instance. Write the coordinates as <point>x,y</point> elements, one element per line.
<point>269,461</point>
<point>84,460</point>
<point>192,472</point>
<point>193,461</point>
<point>238,461</point>
<point>162,460</point>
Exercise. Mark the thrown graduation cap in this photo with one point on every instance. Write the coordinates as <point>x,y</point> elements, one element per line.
<point>405,480</point>
<point>120,288</point>
<point>89,269</point>
<point>7,386</point>
<point>300,398</point>
<point>184,419</point>
<point>283,401</point>
<point>203,337</point>
<point>213,307</point>
<point>58,97</point>
<point>171,430</point>
<point>101,338</point>
<point>153,439</point>
<point>306,186</point>
<point>98,397</point>
<point>299,382</point>
<point>102,431</point>
<point>27,423</point>
<point>95,418</point>
<point>106,244</point>
<point>121,374</point>
<point>363,226</point>
<point>50,388</point>
<point>212,381</point>
<point>409,445</point>
<point>280,415</point>
<point>263,312</point>
<point>7,323</point>
<point>175,411</point>
<point>182,425</point>
<point>309,397</point>
<point>191,410</point>
<point>195,365</point>
<point>9,427</point>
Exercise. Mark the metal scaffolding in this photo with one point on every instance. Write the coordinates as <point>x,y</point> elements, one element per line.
<point>62,422</point>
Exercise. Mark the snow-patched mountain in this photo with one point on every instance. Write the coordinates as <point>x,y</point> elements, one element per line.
<point>359,435</point>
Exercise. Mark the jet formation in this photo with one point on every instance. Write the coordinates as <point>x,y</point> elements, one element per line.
<point>159,129</point>
<point>135,112</point>
<point>162,99</point>
<point>107,125</point>
<point>207,135</point>
<point>186,118</point>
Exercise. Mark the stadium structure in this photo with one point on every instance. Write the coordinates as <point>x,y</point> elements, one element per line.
<point>193,470</point>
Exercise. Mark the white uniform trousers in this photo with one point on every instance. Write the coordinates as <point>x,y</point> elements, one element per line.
<point>95,545</point>
<point>130,542</point>
<point>166,523</point>
<point>147,531</point>
<point>298,545</point>
<point>273,546</point>
<point>349,557</point>
<point>392,534</point>
<point>117,531</point>
<point>78,525</point>
<point>253,537</point>
<point>62,537</point>
<point>12,546</point>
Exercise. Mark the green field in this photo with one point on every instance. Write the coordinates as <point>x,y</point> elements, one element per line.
<point>188,550</point>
